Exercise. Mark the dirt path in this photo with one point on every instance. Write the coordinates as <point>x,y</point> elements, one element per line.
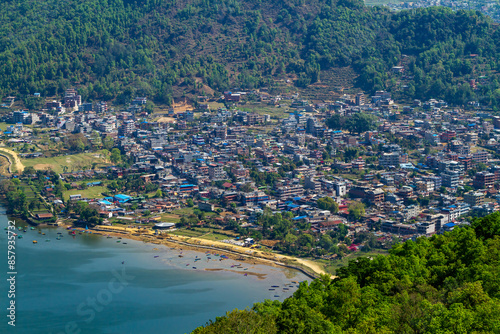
<point>17,162</point>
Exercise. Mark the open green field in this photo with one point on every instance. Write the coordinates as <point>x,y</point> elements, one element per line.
<point>90,192</point>
<point>67,163</point>
<point>3,126</point>
<point>170,218</point>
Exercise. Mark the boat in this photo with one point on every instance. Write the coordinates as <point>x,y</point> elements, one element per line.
<point>180,256</point>
<point>285,288</point>
<point>58,238</point>
<point>47,240</point>
<point>275,286</point>
<point>194,267</point>
<point>271,289</point>
<point>124,243</point>
<point>245,269</point>
<point>276,296</point>
<point>117,240</point>
<point>245,274</point>
<point>25,230</point>
<point>187,265</point>
<point>34,241</point>
<point>32,228</point>
<point>43,233</point>
<point>119,237</point>
<point>156,255</point>
<point>39,232</point>
<point>20,236</point>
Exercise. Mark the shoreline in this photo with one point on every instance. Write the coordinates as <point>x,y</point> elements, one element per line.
<point>231,251</point>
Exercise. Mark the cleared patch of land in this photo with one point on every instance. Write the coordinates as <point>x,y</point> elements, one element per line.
<point>17,165</point>
<point>90,192</point>
<point>68,163</point>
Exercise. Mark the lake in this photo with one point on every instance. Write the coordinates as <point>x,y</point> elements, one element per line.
<point>93,284</point>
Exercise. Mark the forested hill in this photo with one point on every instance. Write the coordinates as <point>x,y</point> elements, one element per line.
<point>115,49</point>
<point>449,283</point>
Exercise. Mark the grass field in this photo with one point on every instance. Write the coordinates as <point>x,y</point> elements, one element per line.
<point>170,218</point>
<point>90,192</point>
<point>67,163</point>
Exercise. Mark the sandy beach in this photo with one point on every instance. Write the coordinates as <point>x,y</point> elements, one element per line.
<point>244,254</point>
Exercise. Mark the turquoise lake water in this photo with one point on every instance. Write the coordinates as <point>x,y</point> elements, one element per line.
<point>92,284</point>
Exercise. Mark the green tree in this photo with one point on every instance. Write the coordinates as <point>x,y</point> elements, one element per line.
<point>356,210</point>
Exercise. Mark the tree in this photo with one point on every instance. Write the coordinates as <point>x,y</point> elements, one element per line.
<point>116,156</point>
<point>327,203</point>
<point>356,210</point>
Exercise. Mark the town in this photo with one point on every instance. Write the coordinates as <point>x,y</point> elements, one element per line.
<point>277,172</point>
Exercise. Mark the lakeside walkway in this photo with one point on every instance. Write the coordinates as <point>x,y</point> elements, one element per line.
<point>306,266</point>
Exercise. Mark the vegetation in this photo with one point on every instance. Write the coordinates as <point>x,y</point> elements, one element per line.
<point>117,49</point>
<point>443,284</point>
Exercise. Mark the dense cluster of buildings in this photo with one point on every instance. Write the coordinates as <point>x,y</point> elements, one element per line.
<point>420,171</point>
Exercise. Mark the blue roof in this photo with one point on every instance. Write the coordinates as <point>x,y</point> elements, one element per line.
<point>123,197</point>
<point>105,202</point>
<point>449,224</point>
<point>293,206</point>
<point>297,198</point>
<point>298,218</point>
<point>187,185</point>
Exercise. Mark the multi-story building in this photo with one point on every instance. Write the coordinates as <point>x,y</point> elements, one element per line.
<point>254,197</point>
<point>480,156</point>
<point>450,179</point>
<point>286,192</point>
<point>127,128</point>
<point>216,172</point>
<point>375,195</point>
<point>484,180</point>
<point>393,159</point>
<point>474,198</point>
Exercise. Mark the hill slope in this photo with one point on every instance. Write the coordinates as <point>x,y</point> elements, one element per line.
<point>115,49</point>
<point>445,284</point>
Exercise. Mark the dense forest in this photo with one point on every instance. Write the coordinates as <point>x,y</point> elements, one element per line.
<point>448,283</point>
<point>165,49</point>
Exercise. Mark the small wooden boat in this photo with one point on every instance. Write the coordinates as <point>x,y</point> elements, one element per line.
<point>180,256</point>
<point>43,233</point>
<point>271,289</point>
<point>35,242</point>
<point>276,296</point>
<point>32,228</point>
<point>20,236</point>
<point>39,232</point>
<point>275,286</point>
<point>156,255</point>
<point>194,267</point>
<point>117,240</point>
<point>25,230</point>
<point>47,240</point>
<point>124,243</point>
<point>285,288</point>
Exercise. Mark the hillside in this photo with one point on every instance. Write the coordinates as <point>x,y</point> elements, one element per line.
<point>444,284</point>
<point>165,49</point>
